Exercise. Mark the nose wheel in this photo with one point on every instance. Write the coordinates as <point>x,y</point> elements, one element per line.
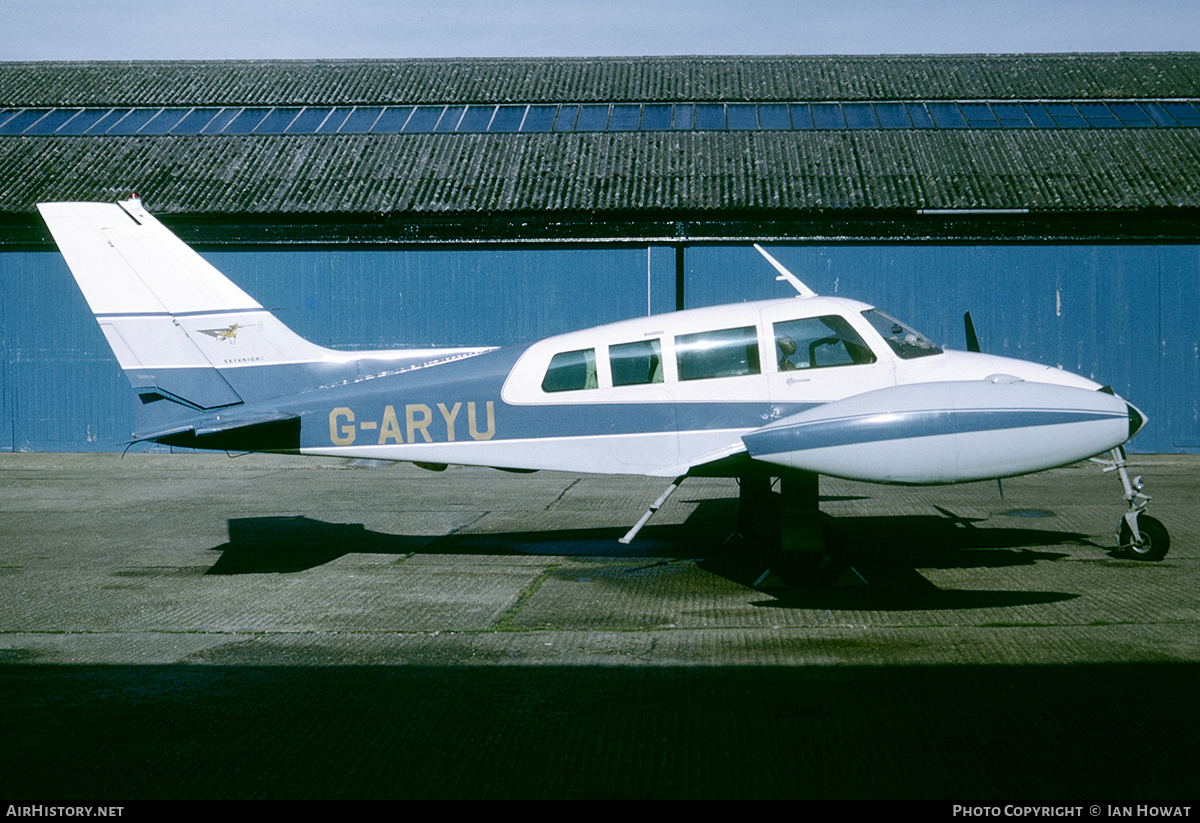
<point>1139,535</point>
<point>1151,542</point>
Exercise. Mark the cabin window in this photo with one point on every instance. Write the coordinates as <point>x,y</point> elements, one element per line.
<point>571,371</point>
<point>905,341</point>
<point>636,363</point>
<point>819,342</point>
<point>723,353</point>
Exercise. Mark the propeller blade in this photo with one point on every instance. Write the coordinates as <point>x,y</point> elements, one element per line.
<point>972,339</point>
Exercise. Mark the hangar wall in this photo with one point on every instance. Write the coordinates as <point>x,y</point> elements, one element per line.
<point>1125,315</point>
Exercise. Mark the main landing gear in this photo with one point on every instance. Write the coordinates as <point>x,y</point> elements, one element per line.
<point>1139,535</point>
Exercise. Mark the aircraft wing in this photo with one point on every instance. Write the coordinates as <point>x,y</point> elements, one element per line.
<point>716,463</point>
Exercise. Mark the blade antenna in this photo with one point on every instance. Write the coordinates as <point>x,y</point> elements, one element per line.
<point>784,274</point>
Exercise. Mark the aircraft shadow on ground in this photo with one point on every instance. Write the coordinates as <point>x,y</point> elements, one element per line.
<point>877,561</point>
<point>885,551</point>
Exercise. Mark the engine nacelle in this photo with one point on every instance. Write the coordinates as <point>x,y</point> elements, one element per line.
<point>948,432</point>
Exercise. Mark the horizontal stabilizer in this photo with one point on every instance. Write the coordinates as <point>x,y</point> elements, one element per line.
<point>266,431</point>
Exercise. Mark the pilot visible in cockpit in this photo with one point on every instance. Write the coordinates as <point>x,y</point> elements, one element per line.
<point>787,347</point>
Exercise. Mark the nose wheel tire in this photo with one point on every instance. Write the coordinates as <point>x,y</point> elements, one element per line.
<point>1154,543</point>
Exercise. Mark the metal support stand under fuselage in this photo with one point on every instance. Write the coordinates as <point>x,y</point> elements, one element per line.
<point>787,520</point>
<point>800,515</point>
<point>786,525</point>
<point>655,506</point>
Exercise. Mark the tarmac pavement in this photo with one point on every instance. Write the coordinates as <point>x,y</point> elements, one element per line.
<point>196,626</point>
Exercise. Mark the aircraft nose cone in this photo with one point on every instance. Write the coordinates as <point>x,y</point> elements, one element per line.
<point>1136,419</point>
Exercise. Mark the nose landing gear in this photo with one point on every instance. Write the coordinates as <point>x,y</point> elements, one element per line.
<point>1139,535</point>
<point>1150,542</point>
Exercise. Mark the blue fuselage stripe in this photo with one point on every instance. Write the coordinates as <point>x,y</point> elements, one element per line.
<point>425,399</point>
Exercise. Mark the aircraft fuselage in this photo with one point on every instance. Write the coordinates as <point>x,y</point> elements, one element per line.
<point>663,394</point>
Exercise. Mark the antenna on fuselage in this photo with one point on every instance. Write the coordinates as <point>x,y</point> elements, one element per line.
<point>784,274</point>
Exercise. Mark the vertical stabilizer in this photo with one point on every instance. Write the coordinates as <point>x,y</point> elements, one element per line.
<point>180,329</point>
<point>135,276</point>
<point>185,333</point>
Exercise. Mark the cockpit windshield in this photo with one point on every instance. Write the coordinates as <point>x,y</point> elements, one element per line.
<point>905,341</point>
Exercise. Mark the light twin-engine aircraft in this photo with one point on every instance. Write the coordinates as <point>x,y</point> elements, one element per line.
<point>791,389</point>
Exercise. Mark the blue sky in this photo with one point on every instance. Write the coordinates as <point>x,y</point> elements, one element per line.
<point>308,29</point>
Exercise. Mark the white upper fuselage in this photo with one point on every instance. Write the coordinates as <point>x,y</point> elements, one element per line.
<point>804,384</point>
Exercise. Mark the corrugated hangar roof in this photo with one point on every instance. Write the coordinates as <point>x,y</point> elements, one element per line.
<point>619,184</point>
<point>601,79</point>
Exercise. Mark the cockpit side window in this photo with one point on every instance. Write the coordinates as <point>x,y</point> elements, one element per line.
<point>906,342</point>
<point>722,353</point>
<point>819,342</point>
<point>636,363</point>
<point>571,371</point>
